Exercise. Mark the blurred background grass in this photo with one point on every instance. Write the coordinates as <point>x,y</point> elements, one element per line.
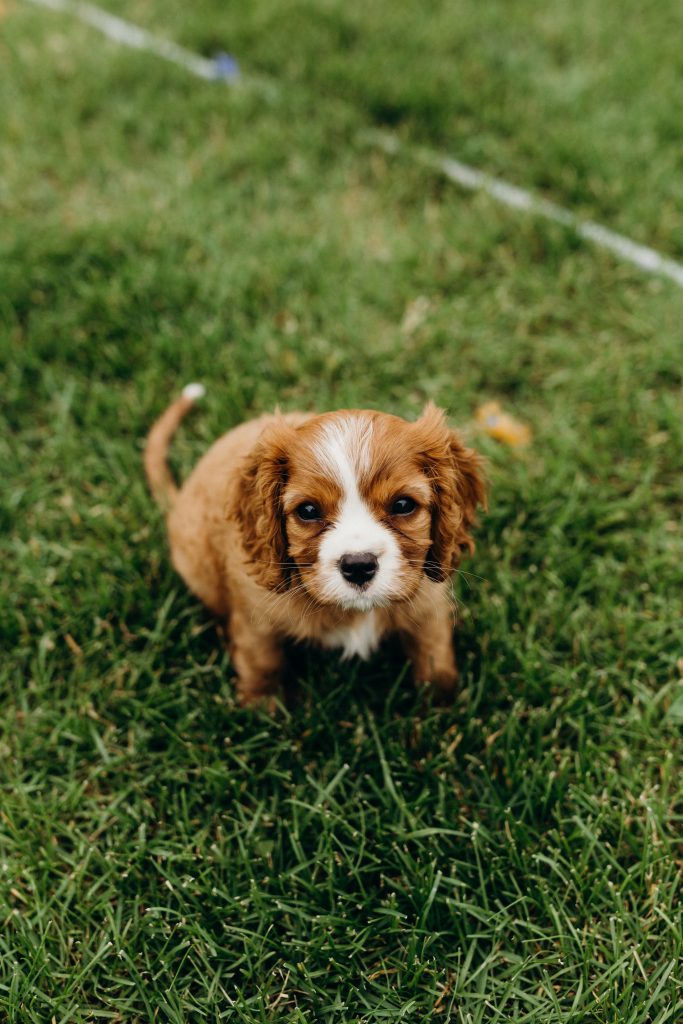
<point>164,855</point>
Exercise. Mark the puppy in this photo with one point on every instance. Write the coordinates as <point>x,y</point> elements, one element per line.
<point>338,528</point>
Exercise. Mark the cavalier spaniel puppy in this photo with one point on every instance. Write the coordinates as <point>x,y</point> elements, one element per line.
<point>337,528</point>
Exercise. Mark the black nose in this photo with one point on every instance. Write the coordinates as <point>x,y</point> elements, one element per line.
<point>358,568</point>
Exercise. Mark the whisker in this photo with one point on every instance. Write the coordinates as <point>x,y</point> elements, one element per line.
<point>288,564</point>
<point>445,574</point>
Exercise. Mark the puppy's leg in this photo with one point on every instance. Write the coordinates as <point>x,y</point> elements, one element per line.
<point>258,659</point>
<point>429,645</point>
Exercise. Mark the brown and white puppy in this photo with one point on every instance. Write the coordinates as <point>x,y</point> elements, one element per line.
<point>337,528</point>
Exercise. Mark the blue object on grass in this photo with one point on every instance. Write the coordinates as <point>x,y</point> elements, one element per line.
<point>226,67</point>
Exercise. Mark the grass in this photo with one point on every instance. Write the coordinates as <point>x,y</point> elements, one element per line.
<point>165,856</point>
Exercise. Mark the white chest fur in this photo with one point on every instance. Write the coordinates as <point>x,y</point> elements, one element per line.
<point>360,638</point>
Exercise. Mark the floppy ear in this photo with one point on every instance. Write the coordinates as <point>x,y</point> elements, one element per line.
<point>459,488</point>
<point>257,507</point>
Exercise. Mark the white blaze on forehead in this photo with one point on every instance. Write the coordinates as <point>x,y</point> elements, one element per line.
<point>344,451</point>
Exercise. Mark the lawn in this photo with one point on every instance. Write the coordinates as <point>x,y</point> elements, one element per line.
<point>166,856</point>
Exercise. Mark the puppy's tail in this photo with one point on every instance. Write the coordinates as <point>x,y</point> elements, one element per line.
<point>162,484</point>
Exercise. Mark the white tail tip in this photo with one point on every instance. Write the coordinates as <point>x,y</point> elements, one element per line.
<point>194,391</point>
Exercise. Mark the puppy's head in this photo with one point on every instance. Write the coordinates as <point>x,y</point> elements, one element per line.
<point>358,507</point>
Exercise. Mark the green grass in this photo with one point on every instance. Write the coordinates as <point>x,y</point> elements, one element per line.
<point>165,856</point>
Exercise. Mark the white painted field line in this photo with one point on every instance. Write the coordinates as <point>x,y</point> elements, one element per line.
<point>641,256</point>
<point>468,177</point>
<point>131,35</point>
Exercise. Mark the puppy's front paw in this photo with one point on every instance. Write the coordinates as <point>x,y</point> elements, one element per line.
<point>264,696</point>
<point>443,685</point>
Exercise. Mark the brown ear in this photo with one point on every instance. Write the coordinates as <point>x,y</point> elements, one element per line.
<point>257,507</point>
<point>459,488</point>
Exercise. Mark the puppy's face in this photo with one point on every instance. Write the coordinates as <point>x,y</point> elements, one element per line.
<point>358,507</point>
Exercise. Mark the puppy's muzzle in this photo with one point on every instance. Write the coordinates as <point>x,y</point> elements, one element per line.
<point>358,568</point>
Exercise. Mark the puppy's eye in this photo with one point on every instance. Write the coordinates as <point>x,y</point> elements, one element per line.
<point>403,507</point>
<point>308,512</point>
